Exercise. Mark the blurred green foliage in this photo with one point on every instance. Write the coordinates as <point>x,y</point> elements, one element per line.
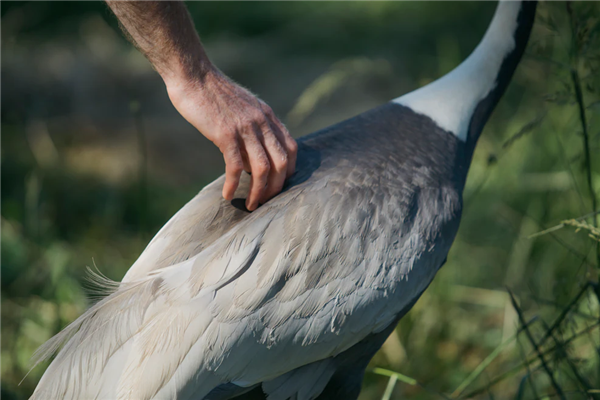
<point>61,213</point>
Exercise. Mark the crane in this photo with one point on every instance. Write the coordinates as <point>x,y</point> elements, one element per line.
<point>292,300</point>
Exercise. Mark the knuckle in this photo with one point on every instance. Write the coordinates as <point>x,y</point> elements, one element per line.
<point>247,130</point>
<point>263,168</point>
<point>244,121</point>
<point>236,167</point>
<point>265,127</point>
<point>280,163</point>
<point>257,116</point>
<point>268,111</point>
<point>228,135</point>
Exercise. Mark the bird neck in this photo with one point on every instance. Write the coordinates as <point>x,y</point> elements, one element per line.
<point>462,101</point>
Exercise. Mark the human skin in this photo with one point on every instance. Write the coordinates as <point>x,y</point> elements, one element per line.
<point>241,125</point>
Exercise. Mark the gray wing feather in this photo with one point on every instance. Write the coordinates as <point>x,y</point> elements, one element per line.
<point>221,295</point>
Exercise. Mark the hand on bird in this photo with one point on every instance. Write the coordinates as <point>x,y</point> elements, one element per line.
<point>243,127</point>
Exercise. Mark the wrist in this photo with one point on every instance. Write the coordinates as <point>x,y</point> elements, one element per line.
<point>186,71</point>
<point>181,83</point>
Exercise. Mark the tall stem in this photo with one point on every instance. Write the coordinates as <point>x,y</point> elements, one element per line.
<point>584,126</point>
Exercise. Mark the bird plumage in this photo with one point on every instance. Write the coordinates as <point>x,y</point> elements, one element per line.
<point>292,299</point>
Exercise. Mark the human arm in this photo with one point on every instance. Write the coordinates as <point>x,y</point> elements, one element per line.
<point>242,126</point>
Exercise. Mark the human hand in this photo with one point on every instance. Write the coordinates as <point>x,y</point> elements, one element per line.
<point>243,127</point>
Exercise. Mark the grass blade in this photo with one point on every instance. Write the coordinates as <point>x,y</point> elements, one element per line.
<point>485,363</point>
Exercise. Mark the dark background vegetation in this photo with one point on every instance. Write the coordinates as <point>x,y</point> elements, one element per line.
<point>95,160</point>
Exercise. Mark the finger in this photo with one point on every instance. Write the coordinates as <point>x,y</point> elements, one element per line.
<point>233,169</point>
<point>286,141</point>
<point>260,167</point>
<point>278,161</point>
<point>245,160</point>
<point>292,152</point>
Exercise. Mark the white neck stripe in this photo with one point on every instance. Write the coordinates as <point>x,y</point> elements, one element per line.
<point>451,100</point>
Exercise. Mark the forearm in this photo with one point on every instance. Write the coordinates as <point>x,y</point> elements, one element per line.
<point>165,34</point>
<point>243,127</point>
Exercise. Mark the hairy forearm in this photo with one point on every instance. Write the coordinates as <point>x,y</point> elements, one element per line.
<point>243,127</point>
<point>165,34</point>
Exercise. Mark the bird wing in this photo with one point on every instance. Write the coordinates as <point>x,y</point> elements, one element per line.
<point>293,283</point>
<point>194,227</point>
<point>207,217</point>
